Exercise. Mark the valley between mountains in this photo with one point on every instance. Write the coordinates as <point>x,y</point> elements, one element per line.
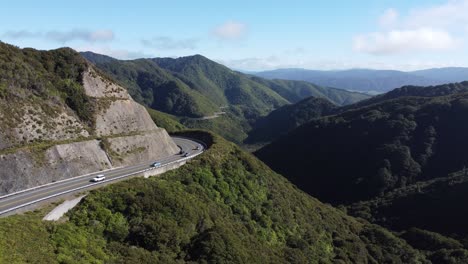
<point>290,172</point>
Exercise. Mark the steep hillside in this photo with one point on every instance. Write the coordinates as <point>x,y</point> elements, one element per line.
<point>286,118</point>
<point>223,207</point>
<point>61,118</point>
<point>195,79</point>
<point>367,151</point>
<point>434,205</point>
<point>230,125</point>
<point>430,215</point>
<point>194,87</point>
<point>372,81</point>
<point>295,91</point>
<point>153,86</point>
<point>169,122</point>
<point>221,84</point>
<point>97,58</point>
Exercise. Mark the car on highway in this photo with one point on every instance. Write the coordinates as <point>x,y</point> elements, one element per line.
<point>156,165</point>
<point>197,148</point>
<point>98,178</point>
<point>186,154</point>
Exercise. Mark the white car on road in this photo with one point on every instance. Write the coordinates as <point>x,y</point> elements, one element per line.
<point>98,178</point>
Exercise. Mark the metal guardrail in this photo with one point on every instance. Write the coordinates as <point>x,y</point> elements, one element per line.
<point>93,184</point>
<point>52,183</point>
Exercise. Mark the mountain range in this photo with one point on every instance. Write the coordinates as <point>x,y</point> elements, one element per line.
<point>223,207</point>
<point>398,160</point>
<point>61,116</point>
<point>194,87</point>
<point>370,81</point>
<point>387,143</point>
<point>393,166</point>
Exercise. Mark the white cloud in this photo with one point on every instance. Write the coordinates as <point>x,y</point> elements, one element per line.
<point>431,28</point>
<point>271,62</point>
<point>451,14</point>
<point>64,36</point>
<point>101,35</point>
<point>400,41</point>
<point>21,34</point>
<point>230,30</point>
<point>167,43</point>
<point>389,18</point>
<point>78,34</point>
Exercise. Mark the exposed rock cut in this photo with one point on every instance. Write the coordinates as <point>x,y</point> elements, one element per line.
<point>44,137</point>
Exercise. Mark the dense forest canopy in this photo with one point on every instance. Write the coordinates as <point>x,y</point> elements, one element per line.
<point>224,206</point>
<point>366,151</point>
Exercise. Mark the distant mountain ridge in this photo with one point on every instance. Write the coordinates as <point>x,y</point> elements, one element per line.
<point>194,86</point>
<point>295,91</point>
<point>410,134</point>
<point>449,74</point>
<point>371,81</point>
<point>286,118</point>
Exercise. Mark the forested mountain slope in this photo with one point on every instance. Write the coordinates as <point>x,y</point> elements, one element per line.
<point>194,87</point>
<point>363,152</point>
<point>223,207</point>
<point>286,118</point>
<point>296,91</point>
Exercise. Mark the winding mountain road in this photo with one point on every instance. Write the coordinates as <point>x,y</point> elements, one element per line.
<point>14,201</point>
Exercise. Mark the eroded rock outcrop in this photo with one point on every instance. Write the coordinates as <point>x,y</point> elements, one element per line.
<point>123,117</point>
<point>133,149</point>
<point>46,137</point>
<point>99,87</point>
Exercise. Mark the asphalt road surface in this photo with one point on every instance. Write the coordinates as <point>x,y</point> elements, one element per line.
<point>31,196</point>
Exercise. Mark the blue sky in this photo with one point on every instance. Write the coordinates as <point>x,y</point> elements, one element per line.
<point>251,35</point>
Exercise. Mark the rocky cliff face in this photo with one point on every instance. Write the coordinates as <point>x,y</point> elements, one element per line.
<point>132,135</point>
<point>44,138</point>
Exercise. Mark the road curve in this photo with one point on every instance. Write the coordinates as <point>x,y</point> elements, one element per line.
<point>11,202</point>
